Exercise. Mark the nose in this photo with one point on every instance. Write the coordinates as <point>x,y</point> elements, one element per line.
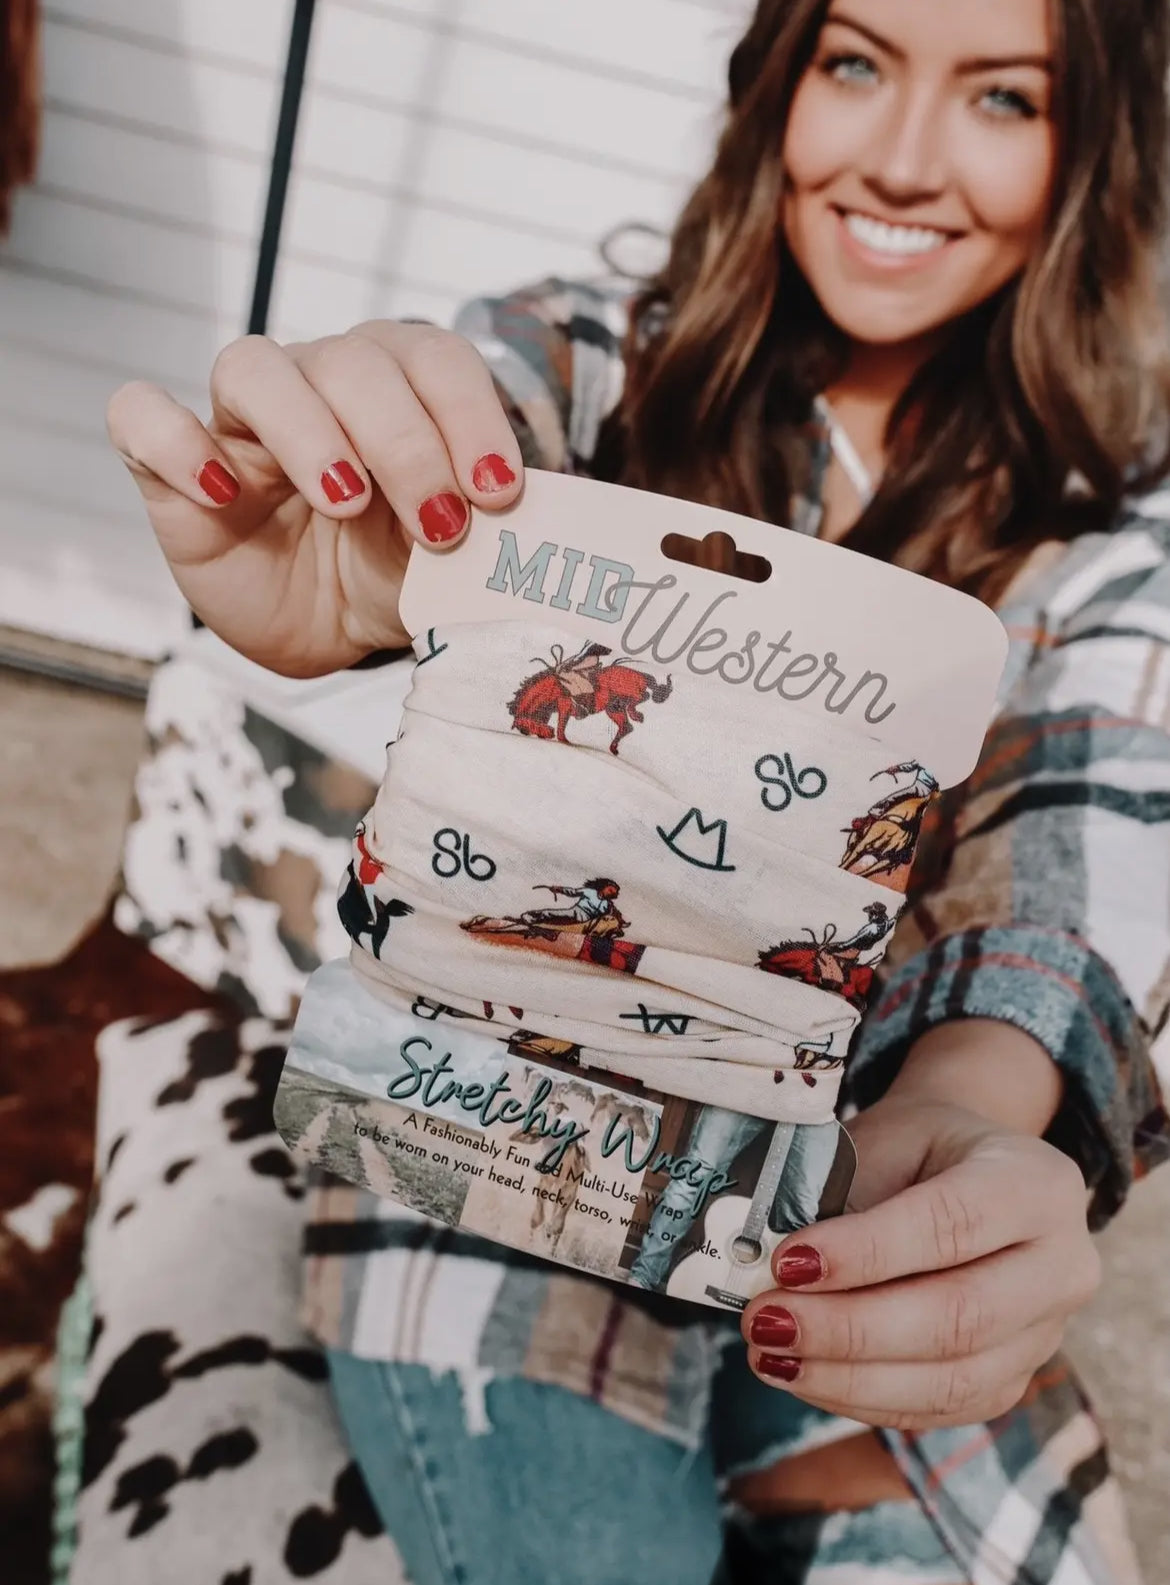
<point>905,161</point>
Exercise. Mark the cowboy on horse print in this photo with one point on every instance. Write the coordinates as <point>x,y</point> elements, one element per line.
<point>882,841</point>
<point>833,965</point>
<point>593,911</point>
<point>588,930</point>
<point>581,686</point>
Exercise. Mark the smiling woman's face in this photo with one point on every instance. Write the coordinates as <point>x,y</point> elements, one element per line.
<point>920,155</point>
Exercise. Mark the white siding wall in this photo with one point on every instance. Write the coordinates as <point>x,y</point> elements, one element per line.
<point>446,147</point>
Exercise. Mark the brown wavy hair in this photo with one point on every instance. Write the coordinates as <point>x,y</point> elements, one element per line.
<point>1066,371</point>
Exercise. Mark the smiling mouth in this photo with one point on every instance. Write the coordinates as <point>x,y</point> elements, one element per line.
<point>893,241</point>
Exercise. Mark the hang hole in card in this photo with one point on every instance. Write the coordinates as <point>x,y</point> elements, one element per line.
<point>717,552</point>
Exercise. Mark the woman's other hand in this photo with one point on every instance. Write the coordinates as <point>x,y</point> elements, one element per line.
<point>288,518</point>
<point>965,1252</point>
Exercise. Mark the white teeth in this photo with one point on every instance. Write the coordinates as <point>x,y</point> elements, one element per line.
<point>902,241</point>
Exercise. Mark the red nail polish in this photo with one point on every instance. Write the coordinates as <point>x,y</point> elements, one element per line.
<point>217,483</point>
<point>799,1266</point>
<point>492,473</point>
<point>773,1327</point>
<point>443,517</point>
<point>342,482</point>
<point>778,1367</point>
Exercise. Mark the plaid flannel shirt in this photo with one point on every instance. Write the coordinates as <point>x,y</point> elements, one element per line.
<point>1041,896</point>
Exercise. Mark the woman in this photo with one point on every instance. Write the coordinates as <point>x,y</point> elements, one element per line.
<point>912,308</point>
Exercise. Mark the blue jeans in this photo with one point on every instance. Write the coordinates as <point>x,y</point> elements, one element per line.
<point>540,1486</point>
<point>559,1490</point>
<point>717,1138</point>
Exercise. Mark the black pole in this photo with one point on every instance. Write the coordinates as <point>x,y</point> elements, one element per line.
<point>282,154</point>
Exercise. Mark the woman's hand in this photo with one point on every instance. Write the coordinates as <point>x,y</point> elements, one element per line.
<point>288,518</point>
<point>951,1281</point>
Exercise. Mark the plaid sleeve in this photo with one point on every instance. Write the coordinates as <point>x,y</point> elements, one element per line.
<point>1051,906</point>
<point>555,352</point>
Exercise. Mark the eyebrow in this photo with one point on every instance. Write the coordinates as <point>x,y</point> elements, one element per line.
<point>983,63</point>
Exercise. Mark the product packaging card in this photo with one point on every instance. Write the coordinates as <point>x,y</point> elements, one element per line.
<point>508,1131</point>
<point>572,1164</point>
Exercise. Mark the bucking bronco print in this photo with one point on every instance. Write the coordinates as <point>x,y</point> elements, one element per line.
<point>361,910</point>
<point>581,686</point>
<point>811,1056</point>
<point>881,842</point>
<point>833,965</point>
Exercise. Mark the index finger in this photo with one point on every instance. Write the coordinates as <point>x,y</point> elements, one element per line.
<point>967,1212</point>
<point>166,448</point>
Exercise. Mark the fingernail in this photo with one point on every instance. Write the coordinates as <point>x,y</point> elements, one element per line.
<point>443,517</point>
<point>778,1367</point>
<point>799,1266</point>
<point>342,482</point>
<point>492,473</point>
<point>773,1327</point>
<point>217,483</point>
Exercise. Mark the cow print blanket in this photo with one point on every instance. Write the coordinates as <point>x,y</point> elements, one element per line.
<point>50,1017</point>
<point>212,1454</point>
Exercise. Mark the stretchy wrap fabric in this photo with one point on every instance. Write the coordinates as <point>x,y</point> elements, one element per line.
<point>616,865</point>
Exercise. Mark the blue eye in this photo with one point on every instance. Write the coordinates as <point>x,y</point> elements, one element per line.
<point>850,69</point>
<point>1009,102</point>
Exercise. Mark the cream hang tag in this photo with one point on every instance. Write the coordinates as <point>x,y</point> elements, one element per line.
<point>872,648</point>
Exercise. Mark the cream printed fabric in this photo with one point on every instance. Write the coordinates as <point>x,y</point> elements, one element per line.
<point>578,853</point>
